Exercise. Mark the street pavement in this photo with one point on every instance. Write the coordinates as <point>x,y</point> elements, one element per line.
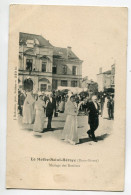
<point>102,133</point>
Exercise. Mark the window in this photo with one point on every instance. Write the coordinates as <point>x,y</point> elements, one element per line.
<point>54,84</point>
<point>54,70</point>
<point>43,66</point>
<point>64,69</point>
<point>64,83</point>
<point>30,43</point>
<point>49,87</point>
<point>43,87</point>
<point>29,63</point>
<point>73,83</point>
<point>74,70</point>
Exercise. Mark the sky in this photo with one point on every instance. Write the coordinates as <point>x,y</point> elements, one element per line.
<point>94,33</point>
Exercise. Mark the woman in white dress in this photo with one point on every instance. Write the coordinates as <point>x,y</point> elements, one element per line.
<point>105,110</point>
<point>28,109</point>
<point>40,117</point>
<point>62,105</point>
<point>70,132</point>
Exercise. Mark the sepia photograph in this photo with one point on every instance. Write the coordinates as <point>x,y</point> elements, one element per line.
<point>54,95</point>
<point>66,97</point>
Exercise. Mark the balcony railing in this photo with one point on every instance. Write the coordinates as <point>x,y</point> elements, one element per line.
<point>25,72</point>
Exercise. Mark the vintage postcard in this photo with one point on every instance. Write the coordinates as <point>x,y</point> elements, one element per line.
<point>66,97</point>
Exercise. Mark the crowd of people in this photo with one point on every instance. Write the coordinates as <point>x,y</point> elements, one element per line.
<point>35,108</point>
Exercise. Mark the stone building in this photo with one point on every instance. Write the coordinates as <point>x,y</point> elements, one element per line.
<point>43,67</point>
<point>106,80</point>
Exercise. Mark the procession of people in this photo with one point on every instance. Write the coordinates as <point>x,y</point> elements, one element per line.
<point>39,108</point>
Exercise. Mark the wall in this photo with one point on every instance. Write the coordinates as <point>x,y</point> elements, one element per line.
<point>100,81</point>
<point>59,64</point>
<point>107,81</point>
<point>104,81</point>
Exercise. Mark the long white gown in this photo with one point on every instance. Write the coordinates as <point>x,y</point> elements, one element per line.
<point>28,109</point>
<point>62,106</point>
<point>70,132</point>
<point>105,110</point>
<point>40,117</point>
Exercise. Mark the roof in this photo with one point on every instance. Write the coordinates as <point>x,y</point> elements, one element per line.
<point>59,52</point>
<point>88,81</point>
<point>38,39</point>
<point>106,72</point>
<point>64,53</point>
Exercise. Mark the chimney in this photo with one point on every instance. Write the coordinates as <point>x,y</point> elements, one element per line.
<point>100,70</point>
<point>68,51</point>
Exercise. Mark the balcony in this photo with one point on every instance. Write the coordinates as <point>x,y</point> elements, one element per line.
<point>34,73</point>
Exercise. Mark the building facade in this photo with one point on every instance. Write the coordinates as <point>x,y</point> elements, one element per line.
<point>43,67</point>
<point>106,79</point>
<point>113,76</point>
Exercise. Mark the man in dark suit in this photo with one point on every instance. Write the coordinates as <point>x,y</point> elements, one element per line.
<point>93,110</point>
<point>110,107</point>
<point>51,105</point>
